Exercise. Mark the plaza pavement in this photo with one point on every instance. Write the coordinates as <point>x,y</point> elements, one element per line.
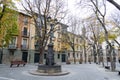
<point>77,72</point>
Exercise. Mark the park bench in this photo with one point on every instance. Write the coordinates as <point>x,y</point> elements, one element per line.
<point>17,63</point>
<point>107,67</point>
<point>118,72</point>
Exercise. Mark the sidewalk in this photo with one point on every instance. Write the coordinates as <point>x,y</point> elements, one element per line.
<point>77,72</point>
<point>117,65</point>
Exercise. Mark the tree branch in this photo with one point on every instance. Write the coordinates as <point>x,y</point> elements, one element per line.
<point>2,12</point>
<point>114,3</point>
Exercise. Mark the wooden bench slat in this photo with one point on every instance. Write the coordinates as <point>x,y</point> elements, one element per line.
<point>17,63</point>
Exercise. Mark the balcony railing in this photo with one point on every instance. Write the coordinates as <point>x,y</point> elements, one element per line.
<point>24,47</point>
<point>25,34</point>
<point>12,47</point>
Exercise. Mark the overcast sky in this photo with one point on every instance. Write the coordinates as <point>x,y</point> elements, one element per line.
<point>84,12</point>
<point>80,12</point>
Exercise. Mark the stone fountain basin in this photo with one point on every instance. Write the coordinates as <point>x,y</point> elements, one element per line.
<point>49,68</point>
<point>45,70</point>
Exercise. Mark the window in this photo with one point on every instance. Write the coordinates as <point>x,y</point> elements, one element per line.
<point>58,56</point>
<point>25,31</point>
<point>13,42</point>
<point>77,47</point>
<point>45,55</point>
<point>24,44</point>
<point>58,45</point>
<point>77,54</point>
<point>24,41</point>
<point>77,40</point>
<point>40,21</point>
<point>25,20</point>
<point>68,54</point>
<point>11,53</point>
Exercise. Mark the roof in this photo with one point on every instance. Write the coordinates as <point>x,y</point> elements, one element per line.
<point>63,25</point>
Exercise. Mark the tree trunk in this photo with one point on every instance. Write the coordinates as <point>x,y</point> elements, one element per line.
<point>99,57</point>
<point>74,57</point>
<point>113,65</point>
<point>85,52</point>
<point>85,57</point>
<point>41,55</point>
<point>103,62</point>
<point>1,55</point>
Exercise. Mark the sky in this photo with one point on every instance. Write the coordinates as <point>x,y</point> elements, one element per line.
<point>84,12</point>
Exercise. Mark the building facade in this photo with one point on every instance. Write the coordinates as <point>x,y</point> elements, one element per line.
<point>18,49</point>
<point>23,45</point>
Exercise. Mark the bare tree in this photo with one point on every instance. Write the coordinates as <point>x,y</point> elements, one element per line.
<point>95,30</point>
<point>40,11</point>
<point>116,22</point>
<point>70,36</point>
<point>101,18</point>
<point>99,9</point>
<point>84,40</point>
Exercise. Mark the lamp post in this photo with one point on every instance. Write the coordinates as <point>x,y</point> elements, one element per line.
<point>50,67</point>
<point>50,54</point>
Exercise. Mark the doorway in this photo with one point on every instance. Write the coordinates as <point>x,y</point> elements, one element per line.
<point>63,58</point>
<point>36,57</point>
<point>25,56</point>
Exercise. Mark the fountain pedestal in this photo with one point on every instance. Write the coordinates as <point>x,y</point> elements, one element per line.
<point>50,66</point>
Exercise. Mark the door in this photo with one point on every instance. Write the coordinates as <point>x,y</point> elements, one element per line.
<point>36,57</point>
<point>63,58</point>
<point>25,56</point>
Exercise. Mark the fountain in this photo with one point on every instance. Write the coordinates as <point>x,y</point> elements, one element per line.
<point>49,68</point>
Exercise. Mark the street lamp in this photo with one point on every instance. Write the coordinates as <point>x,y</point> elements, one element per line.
<point>50,66</point>
<point>50,54</point>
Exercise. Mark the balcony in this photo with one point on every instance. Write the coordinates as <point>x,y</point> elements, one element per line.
<point>12,47</point>
<point>25,34</point>
<point>24,47</point>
